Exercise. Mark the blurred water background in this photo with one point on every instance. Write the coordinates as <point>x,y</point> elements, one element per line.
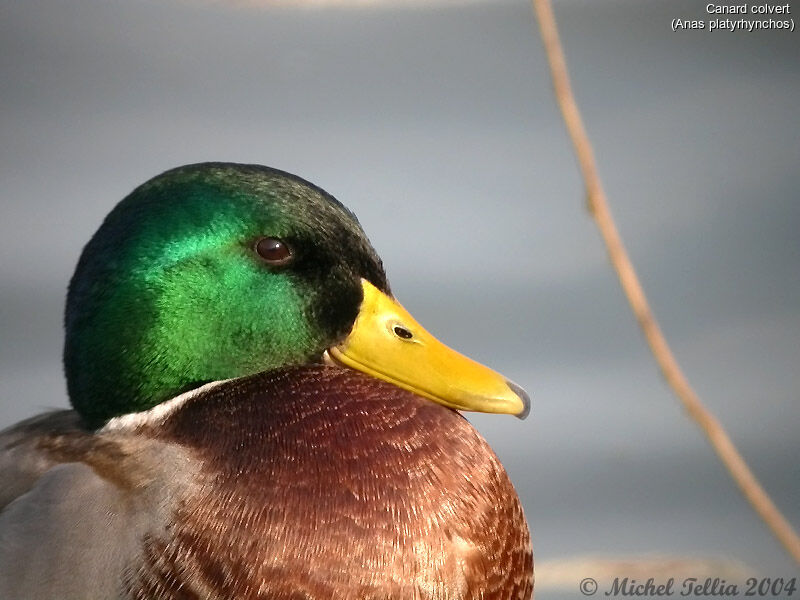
<point>437,126</point>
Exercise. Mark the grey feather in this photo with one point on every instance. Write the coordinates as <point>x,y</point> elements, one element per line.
<point>77,506</point>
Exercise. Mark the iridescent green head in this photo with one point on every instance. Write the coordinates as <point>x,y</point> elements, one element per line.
<point>208,272</point>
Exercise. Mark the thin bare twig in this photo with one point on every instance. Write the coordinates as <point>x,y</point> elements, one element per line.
<point>598,206</point>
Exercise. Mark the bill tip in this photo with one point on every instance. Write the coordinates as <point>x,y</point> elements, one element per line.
<point>523,395</point>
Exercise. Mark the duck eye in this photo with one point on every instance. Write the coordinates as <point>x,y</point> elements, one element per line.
<point>273,251</point>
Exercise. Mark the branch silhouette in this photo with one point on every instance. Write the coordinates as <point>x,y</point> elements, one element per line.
<point>598,206</point>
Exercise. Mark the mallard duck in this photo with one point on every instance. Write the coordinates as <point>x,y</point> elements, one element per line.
<point>255,416</point>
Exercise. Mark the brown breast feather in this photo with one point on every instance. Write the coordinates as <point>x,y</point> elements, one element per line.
<point>323,483</point>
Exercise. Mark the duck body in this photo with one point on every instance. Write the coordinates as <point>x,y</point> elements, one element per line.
<point>255,417</point>
<point>283,491</point>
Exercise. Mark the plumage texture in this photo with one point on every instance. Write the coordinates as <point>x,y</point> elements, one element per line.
<point>280,490</point>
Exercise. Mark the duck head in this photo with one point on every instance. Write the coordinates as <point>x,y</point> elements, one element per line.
<point>215,271</point>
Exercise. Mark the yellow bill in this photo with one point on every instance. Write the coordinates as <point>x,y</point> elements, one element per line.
<point>387,343</point>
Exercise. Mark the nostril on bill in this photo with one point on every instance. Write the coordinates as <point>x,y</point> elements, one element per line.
<point>402,332</point>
